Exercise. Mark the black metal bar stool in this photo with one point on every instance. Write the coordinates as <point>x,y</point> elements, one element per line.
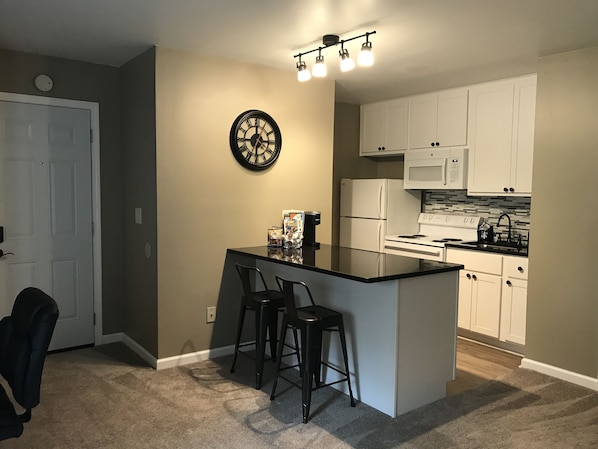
<point>266,305</point>
<point>311,321</point>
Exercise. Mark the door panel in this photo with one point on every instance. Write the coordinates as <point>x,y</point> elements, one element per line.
<point>45,207</point>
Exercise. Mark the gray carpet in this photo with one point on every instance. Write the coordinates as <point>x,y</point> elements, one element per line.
<point>105,397</point>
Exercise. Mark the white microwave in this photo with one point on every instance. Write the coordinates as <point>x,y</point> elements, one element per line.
<point>436,168</point>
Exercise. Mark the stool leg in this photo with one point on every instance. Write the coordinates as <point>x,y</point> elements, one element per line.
<point>317,358</point>
<point>297,351</point>
<point>341,332</point>
<point>238,340</point>
<point>309,340</point>
<point>273,330</point>
<point>279,358</point>
<point>261,326</point>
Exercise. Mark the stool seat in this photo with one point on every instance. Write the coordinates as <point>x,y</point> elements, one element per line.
<point>266,305</point>
<point>311,321</point>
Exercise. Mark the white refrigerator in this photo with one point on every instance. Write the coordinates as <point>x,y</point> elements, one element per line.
<point>372,208</point>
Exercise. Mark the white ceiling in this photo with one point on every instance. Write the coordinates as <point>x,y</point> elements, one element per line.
<point>419,45</point>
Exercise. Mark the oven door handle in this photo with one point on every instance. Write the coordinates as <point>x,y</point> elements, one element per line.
<point>414,251</point>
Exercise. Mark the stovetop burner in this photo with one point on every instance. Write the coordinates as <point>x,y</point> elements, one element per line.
<point>412,236</point>
<point>448,240</point>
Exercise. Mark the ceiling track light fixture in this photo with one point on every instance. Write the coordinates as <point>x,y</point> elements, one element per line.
<point>366,57</point>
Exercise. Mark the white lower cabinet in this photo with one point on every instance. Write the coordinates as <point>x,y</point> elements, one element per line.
<point>514,300</point>
<point>479,290</point>
<point>492,294</point>
<point>485,304</point>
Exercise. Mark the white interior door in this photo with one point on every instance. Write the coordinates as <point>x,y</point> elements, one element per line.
<point>46,212</point>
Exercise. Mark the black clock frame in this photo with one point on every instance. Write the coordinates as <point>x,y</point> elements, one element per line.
<point>240,152</point>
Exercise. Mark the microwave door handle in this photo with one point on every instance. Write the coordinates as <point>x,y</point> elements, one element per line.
<point>444,172</point>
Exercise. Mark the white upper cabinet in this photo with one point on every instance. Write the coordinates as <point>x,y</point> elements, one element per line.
<point>501,137</point>
<point>383,128</point>
<point>438,119</point>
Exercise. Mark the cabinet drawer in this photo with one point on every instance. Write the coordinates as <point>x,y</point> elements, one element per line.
<point>476,261</point>
<point>515,267</point>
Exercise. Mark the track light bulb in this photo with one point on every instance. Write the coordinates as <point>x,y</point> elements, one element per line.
<point>319,69</point>
<point>346,61</point>
<point>302,72</point>
<point>366,57</point>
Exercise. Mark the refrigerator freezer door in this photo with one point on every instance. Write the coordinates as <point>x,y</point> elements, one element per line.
<point>362,233</point>
<point>364,198</point>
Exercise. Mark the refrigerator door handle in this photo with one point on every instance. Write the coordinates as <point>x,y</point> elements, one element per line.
<point>380,198</point>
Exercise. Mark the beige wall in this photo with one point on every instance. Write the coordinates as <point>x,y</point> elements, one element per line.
<point>139,148</point>
<point>83,81</point>
<point>206,201</point>
<point>562,321</point>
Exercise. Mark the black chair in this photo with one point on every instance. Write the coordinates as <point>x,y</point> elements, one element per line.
<point>266,304</point>
<point>24,339</point>
<point>311,321</point>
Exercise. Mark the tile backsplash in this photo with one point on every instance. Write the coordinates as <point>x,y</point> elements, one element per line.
<point>490,207</point>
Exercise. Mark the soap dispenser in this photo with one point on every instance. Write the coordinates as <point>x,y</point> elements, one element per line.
<point>485,232</point>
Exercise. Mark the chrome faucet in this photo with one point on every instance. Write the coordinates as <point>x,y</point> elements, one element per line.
<point>509,221</point>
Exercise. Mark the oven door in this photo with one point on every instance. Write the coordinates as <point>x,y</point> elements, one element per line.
<point>414,250</point>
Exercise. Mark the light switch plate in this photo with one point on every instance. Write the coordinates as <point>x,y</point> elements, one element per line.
<point>138,218</point>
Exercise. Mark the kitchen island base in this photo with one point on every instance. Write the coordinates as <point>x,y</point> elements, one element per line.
<point>401,333</point>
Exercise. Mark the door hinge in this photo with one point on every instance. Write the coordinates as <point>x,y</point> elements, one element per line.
<point>93,228</point>
<point>94,318</point>
<point>91,136</point>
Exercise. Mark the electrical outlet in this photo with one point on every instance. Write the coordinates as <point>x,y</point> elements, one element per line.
<point>210,314</point>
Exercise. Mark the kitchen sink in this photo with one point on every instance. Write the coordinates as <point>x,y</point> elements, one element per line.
<point>498,247</point>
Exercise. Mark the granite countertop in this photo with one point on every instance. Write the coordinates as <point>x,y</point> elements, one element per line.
<point>354,264</point>
<point>491,248</point>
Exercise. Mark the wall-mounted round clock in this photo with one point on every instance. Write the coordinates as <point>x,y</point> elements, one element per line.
<point>255,140</point>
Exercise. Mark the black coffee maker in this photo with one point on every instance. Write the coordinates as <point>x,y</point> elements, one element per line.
<point>312,219</point>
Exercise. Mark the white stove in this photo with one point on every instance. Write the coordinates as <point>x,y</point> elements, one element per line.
<point>435,230</point>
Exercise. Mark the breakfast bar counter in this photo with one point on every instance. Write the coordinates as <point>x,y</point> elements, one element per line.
<point>400,317</point>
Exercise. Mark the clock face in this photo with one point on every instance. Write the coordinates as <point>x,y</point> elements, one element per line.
<point>255,140</point>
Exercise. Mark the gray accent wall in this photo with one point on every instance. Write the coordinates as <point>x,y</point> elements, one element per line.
<point>139,148</point>
<point>84,81</point>
<point>562,319</point>
<point>347,162</point>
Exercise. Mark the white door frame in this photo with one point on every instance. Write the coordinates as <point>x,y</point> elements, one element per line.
<point>94,110</point>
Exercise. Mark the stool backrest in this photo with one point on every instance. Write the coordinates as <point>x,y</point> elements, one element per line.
<point>288,291</point>
<point>245,273</point>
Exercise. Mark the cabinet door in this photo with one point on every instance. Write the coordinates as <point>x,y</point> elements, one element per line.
<point>490,134</point>
<point>524,118</point>
<point>513,311</point>
<point>485,307</point>
<point>452,118</point>
<point>464,311</point>
<point>397,126</point>
<point>372,129</point>
<point>423,116</point>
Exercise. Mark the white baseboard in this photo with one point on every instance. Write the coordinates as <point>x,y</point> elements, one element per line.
<point>559,373</point>
<point>192,357</point>
<point>168,362</point>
